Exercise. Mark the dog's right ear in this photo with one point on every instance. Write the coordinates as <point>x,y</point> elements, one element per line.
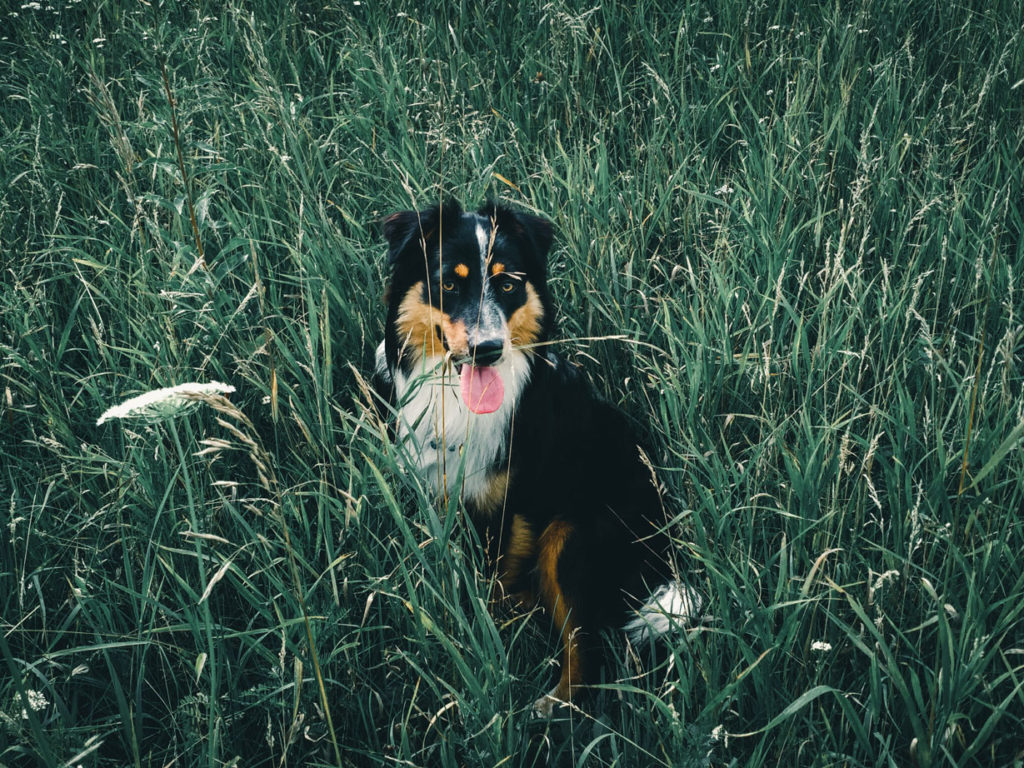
<point>399,230</point>
<point>409,232</point>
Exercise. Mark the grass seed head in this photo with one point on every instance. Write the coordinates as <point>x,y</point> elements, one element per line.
<point>166,403</point>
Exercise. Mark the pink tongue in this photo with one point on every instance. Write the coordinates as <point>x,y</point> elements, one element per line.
<point>482,388</point>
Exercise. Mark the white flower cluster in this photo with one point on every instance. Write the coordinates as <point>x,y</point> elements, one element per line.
<point>36,701</point>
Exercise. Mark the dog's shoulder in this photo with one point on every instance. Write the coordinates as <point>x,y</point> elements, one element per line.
<point>562,408</point>
<point>566,391</point>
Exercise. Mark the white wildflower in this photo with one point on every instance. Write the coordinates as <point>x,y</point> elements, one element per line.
<point>725,189</point>
<point>821,646</point>
<point>36,701</point>
<point>717,736</point>
<point>160,404</point>
<point>883,579</point>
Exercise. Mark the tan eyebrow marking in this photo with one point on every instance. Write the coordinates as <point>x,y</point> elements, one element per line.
<point>497,268</point>
<point>462,270</point>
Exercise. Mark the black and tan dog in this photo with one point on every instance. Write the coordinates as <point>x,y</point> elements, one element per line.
<point>552,476</point>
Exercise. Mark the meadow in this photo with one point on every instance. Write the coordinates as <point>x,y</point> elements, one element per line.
<point>789,241</point>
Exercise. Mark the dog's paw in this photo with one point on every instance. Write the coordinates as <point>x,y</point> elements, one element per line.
<point>544,707</point>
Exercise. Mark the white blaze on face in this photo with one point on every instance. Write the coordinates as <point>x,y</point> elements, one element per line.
<point>483,387</point>
<point>482,238</point>
<point>490,324</point>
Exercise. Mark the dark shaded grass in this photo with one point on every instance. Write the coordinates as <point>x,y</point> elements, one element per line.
<point>805,223</point>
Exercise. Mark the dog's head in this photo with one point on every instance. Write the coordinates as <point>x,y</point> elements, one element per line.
<point>467,287</point>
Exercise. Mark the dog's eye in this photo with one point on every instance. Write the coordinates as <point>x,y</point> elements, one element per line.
<point>448,286</point>
<point>508,286</point>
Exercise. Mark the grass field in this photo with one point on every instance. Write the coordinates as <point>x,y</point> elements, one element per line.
<point>789,239</point>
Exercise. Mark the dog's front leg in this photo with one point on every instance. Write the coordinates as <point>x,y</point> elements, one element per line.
<point>516,562</point>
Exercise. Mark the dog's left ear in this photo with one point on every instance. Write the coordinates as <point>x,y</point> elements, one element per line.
<point>538,231</point>
<point>533,231</point>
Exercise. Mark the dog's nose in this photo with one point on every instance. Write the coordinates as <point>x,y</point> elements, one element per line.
<point>486,352</point>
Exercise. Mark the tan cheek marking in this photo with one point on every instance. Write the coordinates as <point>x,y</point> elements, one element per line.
<point>417,323</point>
<point>524,324</point>
<point>462,270</point>
<point>497,268</point>
<point>456,336</point>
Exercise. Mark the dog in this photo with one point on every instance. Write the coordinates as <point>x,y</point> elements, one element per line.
<point>553,477</point>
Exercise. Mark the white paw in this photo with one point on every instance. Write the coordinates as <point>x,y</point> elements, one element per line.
<point>544,707</point>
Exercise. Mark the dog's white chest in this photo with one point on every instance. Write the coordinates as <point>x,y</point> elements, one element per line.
<point>448,446</point>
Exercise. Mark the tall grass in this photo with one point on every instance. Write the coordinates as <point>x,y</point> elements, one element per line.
<point>800,223</point>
